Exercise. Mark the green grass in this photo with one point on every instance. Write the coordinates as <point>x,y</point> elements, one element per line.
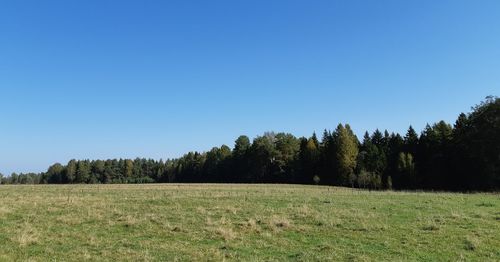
<point>244,222</point>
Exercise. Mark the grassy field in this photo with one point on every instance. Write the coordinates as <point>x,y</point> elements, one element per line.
<point>244,222</point>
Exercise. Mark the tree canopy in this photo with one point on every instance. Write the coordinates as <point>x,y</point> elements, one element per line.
<point>463,156</point>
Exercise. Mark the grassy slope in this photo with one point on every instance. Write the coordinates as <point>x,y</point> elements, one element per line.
<point>244,222</point>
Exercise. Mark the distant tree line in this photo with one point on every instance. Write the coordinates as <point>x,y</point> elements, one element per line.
<point>465,156</point>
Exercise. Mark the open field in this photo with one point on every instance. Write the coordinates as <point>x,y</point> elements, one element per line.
<point>244,222</point>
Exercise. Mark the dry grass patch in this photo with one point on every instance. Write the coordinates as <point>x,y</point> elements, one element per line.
<point>232,210</point>
<point>4,211</point>
<point>226,233</point>
<point>69,220</point>
<point>305,211</point>
<point>471,243</point>
<point>430,227</point>
<point>129,221</point>
<point>278,223</point>
<point>250,225</point>
<point>201,210</point>
<point>26,236</point>
<point>224,221</point>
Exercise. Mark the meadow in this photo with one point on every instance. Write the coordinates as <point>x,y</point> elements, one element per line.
<point>244,222</point>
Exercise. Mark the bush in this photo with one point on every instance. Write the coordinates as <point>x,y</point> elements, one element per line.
<point>316,180</point>
<point>369,180</point>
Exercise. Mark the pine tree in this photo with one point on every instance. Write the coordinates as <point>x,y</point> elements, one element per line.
<point>411,141</point>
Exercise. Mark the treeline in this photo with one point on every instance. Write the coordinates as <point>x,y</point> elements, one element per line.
<point>465,156</point>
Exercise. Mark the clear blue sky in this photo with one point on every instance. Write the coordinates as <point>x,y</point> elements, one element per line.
<point>111,79</point>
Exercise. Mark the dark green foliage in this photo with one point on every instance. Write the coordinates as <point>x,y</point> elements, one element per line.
<point>463,157</point>
<point>272,158</point>
<point>55,174</point>
<point>394,148</point>
<point>70,173</point>
<point>411,141</point>
<point>308,162</point>
<point>372,157</point>
<point>83,172</point>
<point>216,166</point>
<point>476,146</point>
<point>287,151</point>
<point>240,163</point>
<point>327,159</point>
<point>406,169</point>
<point>433,155</point>
<point>369,180</point>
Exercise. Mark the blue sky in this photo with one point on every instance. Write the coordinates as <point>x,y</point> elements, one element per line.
<point>111,79</point>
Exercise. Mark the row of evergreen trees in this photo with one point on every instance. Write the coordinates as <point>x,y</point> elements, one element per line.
<point>465,156</point>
